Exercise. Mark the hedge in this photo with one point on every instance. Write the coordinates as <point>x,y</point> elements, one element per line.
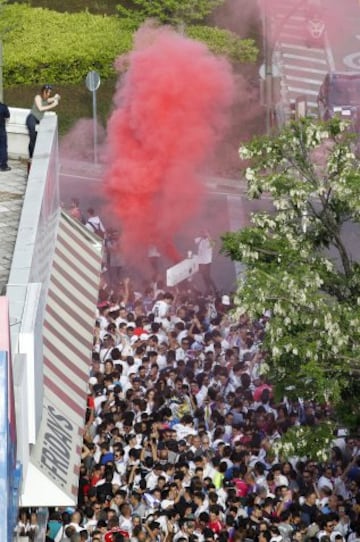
<point>45,45</point>
<point>224,42</point>
<point>41,44</point>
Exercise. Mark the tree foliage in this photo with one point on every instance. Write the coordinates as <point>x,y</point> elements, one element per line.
<point>312,441</point>
<point>224,42</point>
<point>298,264</point>
<point>44,45</point>
<point>175,12</point>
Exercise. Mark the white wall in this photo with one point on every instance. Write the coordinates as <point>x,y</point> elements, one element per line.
<point>31,266</point>
<point>18,137</point>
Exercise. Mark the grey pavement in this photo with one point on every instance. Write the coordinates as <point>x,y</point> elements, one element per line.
<point>12,192</point>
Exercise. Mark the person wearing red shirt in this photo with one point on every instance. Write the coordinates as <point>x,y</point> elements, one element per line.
<point>242,488</point>
<point>215,524</point>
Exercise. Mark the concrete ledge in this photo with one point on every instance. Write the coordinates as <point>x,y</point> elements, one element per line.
<point>18,136</point>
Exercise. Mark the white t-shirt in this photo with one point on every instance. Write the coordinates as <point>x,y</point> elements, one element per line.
<point>205,250</point>
<point>94,224</point>
<point>160,310</point>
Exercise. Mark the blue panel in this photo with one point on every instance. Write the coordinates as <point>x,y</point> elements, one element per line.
<point>14,502</point>
<point>4,479</point>
<point>10,473</point>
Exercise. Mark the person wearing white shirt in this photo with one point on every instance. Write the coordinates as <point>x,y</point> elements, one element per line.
<point>153,476</point>
<point>182,351</point>
<point>94,223</point>
<point>202,503</point>
<point>107,346</point>
<point>201,394</point>
<point>326,479</point>
<point>162,358</point>
<point>205,256</point>
<point>161,308</point>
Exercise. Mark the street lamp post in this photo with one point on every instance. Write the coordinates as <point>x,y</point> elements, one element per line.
<point>92,83</point>
<point>268,73</point>
<point>270,42</point>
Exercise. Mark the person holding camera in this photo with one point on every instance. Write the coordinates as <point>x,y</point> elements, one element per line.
<point>42,102</point>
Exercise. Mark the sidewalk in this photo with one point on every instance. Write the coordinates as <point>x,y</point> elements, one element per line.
<point>12,191</point>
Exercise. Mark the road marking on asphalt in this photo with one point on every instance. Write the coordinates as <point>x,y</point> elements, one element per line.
<point>310,103</point>
<point>306,58</point>
<point>304,79</point>
<point>292,37</point>
<point>313,104</point>
<point>352,61</point>
<point>291,25</point>
<point>303,90</point>
<point>305,69</point>
<point>299,18</point>
<point>296,47</point>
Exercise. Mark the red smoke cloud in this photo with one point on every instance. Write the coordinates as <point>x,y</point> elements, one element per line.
<point>78,143</point>
<point>171,109</point>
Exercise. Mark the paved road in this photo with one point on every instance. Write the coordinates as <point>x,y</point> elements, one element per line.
<point>343,24</point>
<point>302,65</point>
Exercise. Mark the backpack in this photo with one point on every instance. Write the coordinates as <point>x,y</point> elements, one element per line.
<point>96,229</point>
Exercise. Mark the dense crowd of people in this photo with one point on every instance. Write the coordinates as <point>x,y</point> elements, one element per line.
<point>179,433</point>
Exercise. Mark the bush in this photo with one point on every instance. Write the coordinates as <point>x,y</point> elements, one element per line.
<point>224,42</point>
<point>44,45</point>
<point>168,11</point>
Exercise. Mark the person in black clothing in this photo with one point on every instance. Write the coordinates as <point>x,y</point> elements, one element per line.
<point>309,511</point>
<point>106,490</point>
<point>4,115</point>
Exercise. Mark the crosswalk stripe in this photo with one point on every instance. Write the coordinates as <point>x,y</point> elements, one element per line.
<point>286,45</point>
<point>305,79</point>
<point>311,104</point>
<point>291,36</point>
<point>290,24</point>
<point>305,69</point>
<point>306,58</point>
<point>300,18</point>
<point>303,90</point>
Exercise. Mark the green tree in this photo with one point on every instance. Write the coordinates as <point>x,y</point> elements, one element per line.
<point>175,12</point>
<point>225,43</point>
<point>297,262</point>
<point>305,441</point>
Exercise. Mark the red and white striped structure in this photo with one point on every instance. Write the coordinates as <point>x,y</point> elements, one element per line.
<point>52,477</point>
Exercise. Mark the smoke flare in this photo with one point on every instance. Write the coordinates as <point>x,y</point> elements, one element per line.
<point>171,108</point>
